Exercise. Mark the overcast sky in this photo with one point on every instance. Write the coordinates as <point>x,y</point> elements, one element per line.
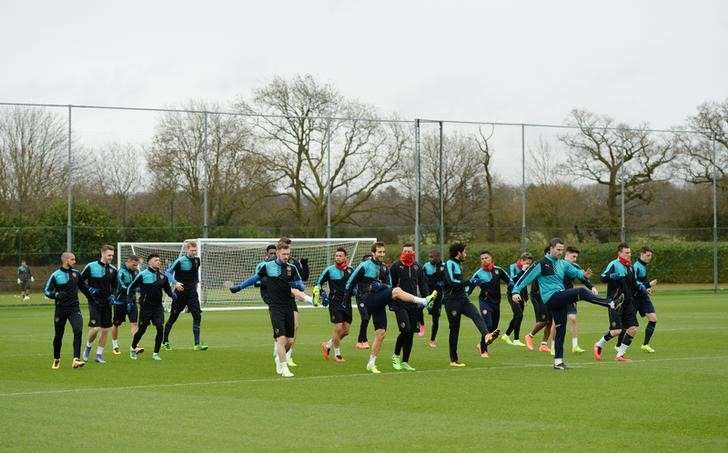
<point>511,61</point>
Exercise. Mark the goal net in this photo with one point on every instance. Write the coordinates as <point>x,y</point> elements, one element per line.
<point>229,261</point>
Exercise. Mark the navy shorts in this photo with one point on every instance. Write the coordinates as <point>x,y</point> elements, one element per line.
<point>624,318</point>
<point>187,299</point>
<point>376,305</point>
<point>644,305</point>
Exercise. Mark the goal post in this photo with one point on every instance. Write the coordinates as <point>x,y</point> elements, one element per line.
<point>229,261</point>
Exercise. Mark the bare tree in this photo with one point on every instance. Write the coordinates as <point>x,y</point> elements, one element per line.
<point>544,167</point>
<point>226,165</point>
<point>482,140</point>
<point>33,149</point>
<point>298,126</point>
<point>709,124</point>
<point>118,172</point>
<point>604,151</point>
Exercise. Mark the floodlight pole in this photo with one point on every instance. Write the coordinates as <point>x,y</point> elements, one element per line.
<point>622,233</point>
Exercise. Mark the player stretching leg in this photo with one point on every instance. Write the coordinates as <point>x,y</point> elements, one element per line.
<point>549,273</point>
<point>514,272</point>
<point>408,275</point>
<point>543,317</point>
<point>457,303</point>
<point>434,271</point>
<point>373,282</point>
<point>488,278</point>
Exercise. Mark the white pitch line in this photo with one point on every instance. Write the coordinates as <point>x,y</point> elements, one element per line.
<point>338,376</point>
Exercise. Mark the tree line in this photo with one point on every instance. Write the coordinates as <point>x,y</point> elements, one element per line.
<point>270,168</point>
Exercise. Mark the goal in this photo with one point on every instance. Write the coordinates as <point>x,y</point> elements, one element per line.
<point>229,261</point>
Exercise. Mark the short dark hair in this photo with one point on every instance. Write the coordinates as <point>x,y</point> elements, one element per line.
<point>342,249</point>
<point>376,245</point>
<point>152,255</point>
<point>270,247</point>
<point>107,247</point>
<point>283,246</point>
<point>622,246</point>
<point>526,256</point>
<point>646,249</point>
<point>571,249</point>
<point>555,241</point>
<point>132,258</point>
<point>485,252</point>
<point>408,244</point>
<point>456,248</point>
<point>435,252</point>
<point>546,250</point>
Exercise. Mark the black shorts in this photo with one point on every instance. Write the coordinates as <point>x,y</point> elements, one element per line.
<point>625,318</point>
<point>188,299</point>
<point>153,313</point>
<point>644,305</point>
<point>407,318</point>
<point>340,312</point>
<point>121,312</point>
<point>99,315</point>
<point>25,285</point>
<point>281,319</point>
<point>540,310</point>
<point>571,309</point>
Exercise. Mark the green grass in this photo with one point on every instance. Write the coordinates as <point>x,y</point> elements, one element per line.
<point>229,398</point>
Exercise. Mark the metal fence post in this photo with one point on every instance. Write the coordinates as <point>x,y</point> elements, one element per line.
<point>417,188</point>
<point>523,187</point>
<point>715,216</point>
<point>69,215</point>
<point>442,196</point>
<point>329,182</point>
<point>205,187</point>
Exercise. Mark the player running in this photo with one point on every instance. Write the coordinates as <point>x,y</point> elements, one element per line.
<point>338,301</point>
<point>150,282</point>
<point>373,282</point>
<point>125,306</point>
<point>98,284</point>
<point>620,278</point>
<point>362,341</point>
<point>62,287</point>
<point>550,273</point>
<point>642,300</point>
<point>183,276</point>
<point>542,316</point>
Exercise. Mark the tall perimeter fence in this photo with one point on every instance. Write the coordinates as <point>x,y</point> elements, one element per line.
<point>77,176</point>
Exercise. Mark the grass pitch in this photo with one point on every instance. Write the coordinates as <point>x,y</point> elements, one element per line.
<point>229,398</point>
